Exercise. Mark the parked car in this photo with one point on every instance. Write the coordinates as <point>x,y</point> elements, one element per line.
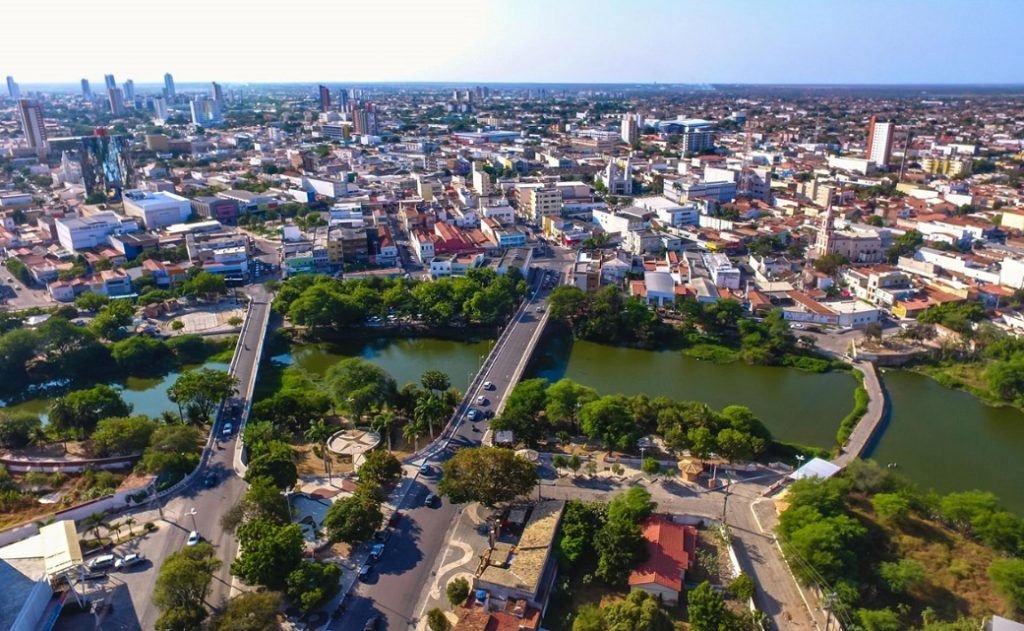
<point>364,573</point>
<point>471,415</point>
<point>210,480</point>
<point>431,500</point>
<point>193,538</point>
<point>102,561</point>
<point>481,400</point>
<point>426,469</point>
<point>227,429</point>
<point>395,518</point>
<point>128,560</point>
<point>376,551</point>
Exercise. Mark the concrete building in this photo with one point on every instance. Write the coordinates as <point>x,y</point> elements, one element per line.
<point>13,89</point>
<point>169,91</point>
<point>86,90</point>
<point>668,212</point>
<point>79,233</point>
<point>880,136</point>
<point>116,100</point>
<point>617,178</point>
<point>723,273</point>
<point>539,202</point>
<point>630,132</point>
<point>223,210</point>
<point>156,210</point>
<point>671,551</point>
<point>31,114</point>
<point>160,112</point>
<point>482,181</point>
<point>325,98</point>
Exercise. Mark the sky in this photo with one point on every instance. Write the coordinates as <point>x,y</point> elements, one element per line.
<point>510,41</point>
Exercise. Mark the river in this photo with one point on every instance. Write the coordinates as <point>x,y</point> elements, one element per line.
<point>948,440</point>
<point>146,395</point>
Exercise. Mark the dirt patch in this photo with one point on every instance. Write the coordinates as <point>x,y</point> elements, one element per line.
<point>712,563</point>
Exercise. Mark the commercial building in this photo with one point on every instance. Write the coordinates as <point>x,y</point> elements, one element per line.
<point>156,210</point>
<point>169,91</point>
<point>723,273</point>
<point>109,82</point>
<point>223,210</point>
<point>537,202</point>
<point>79,233</point>
<point>668,212</point>
<point>695,134</point>
<point>325,98</point>
<point>205,112</point>
<point>13,89</point>
<point>129,92</point>
<point>86,90</point>
<point>116,100</point>
<point>880,137</point>
<point>365,120</point>
<point>31,114</point>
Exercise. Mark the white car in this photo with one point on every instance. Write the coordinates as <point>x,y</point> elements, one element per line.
<point>488,385</point>
<point>481,400</point>
<point>128,560</point>
<point>227,429</point>
<point>193,538</point>
<point>471,415</point>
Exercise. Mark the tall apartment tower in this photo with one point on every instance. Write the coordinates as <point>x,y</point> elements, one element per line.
<point>13,89</point>
<point>343,100</point>
<point>86,90</point>
<point>31,114</point>
<point>160,109</point>
<point>129,91</point>
<point>880,142</point>
<point>325,98</point>
<point>110,81</point>
<point>116,98</point>
<point>365,120</point>
<point>217,93</point>
<point>169,86</point>
<point>630,129</point>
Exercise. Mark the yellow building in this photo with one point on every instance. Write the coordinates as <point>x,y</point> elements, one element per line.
<point>950,167</point>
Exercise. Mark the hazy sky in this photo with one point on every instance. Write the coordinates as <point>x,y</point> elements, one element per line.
<point>669,41</point>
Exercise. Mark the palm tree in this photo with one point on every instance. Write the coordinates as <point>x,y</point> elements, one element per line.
<point>319,433</point>
<point>383,422</point>
<point>129,521</point>
<point>428,410</point>
<point>46,522</point>
<point>94,522</point>
<point>116,529</point>
<point>413,430</point>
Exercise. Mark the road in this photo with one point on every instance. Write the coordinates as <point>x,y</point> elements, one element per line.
<point>209,503</point>
<point>396,585</point>
<point>17,296</point>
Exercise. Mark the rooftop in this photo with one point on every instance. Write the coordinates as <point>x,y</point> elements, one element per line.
<point>527,558</point>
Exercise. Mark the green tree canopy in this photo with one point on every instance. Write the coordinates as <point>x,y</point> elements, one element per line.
<point>270,551</point>
<point>489,475</point>
<point>353,519</point>
<point>359,385</point>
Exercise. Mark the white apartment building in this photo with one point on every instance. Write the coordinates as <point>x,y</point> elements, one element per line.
<point>723,274</point>
<point>157,210</point>
<point>669,213</point>
<point>78,233</point>
<point>538,202</point>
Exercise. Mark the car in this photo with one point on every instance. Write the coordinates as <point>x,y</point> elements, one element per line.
<point>395,518</point>
<point>481,400</point>
<point>364,572</point>
<point>426,469</point>
<point>210,480</point>
<point>227,429</point>
<point>376,551</point>
<point>471,415</point>
<point>372,623</point>
<point>488,385</point>
<point>193,538</point>
<point>128,560</point>
<point>100,562</point>
<point>540,309</point>
<point>431,500</point>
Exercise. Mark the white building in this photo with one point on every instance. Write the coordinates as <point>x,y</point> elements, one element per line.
<point>160,113</point>
<point>723,274</point>
<point>157,210</point>
<point>630,129</point>
<point>669,213</point>
<point>880,137</point>
<point>78,233</point>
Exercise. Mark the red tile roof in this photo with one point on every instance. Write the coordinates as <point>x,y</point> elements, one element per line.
<point>670,551</point>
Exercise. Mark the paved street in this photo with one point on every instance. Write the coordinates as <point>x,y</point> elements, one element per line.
<point>399,580</point>
<point>209,505</point>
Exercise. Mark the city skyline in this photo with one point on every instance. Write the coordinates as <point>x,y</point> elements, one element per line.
<point>572,41</point>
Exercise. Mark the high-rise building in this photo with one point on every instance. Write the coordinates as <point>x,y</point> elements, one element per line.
<point>880,142</point>
<point>160,109</point>
<point>32,125</point>
<point>13,89</point>
<point>217,93</point>
<point>325,98</point>
<point>86,90</point>
<point>205,112</point>
<point>630,129</point>
<point>116,98</point>
<point>109,80</point>
<point>169,86</point>
<point>365,120</point>
<point>343,100</point>
<point>129,91</point>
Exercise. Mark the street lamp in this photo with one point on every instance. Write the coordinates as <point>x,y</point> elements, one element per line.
<point>800,460</point>
<point>193,513</point>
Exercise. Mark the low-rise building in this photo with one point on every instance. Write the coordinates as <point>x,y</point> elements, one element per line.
<point>156,210</point>
<point>671,550</point>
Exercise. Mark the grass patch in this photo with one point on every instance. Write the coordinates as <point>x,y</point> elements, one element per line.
<point>860,407</point>
<point>779,451</point>
<point>713,353</point>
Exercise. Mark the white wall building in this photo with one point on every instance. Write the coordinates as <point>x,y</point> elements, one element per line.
<point>157,210</point>
<point>78,233</point>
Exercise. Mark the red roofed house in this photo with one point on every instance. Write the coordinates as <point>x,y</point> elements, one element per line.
<point>670,552</point>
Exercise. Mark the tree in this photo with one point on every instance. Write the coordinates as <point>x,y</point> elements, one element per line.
<point>880,620</point>
<point>873,331</point>
<point>563,400</point>
<point>274,460</point>
<point>413,431</point>
<point>181,587</point>
<point>430,409</point>
<point>1008,577</point>
<point>269,552</point>
<point>94,522</point>
<point>203,389</point>
<point>80,410</point>
<point>489,475</point>
<point>250,611</point>
<point>382,423</point>
<point>639,611</point>
<point>312,583</point>
<point>120,435</point>
<point>359,385</point>
<point>900,576</point>
<point>205,284</point>
<point>457,591</point>
<point>19,429</point>
<point>262,500</point>
<point>380,468</point>
<point>608,419</point>
<point>172,450</point>
<point>830,263</point>
<point>353,519</point>
<point>742,587</point>
<point>706,608</point>
<point>91,301</point>
<point>141,355</point>
<point>437,620</point>
<point>892,507</point>
<point>435,381</point>
<point>650,466</point>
